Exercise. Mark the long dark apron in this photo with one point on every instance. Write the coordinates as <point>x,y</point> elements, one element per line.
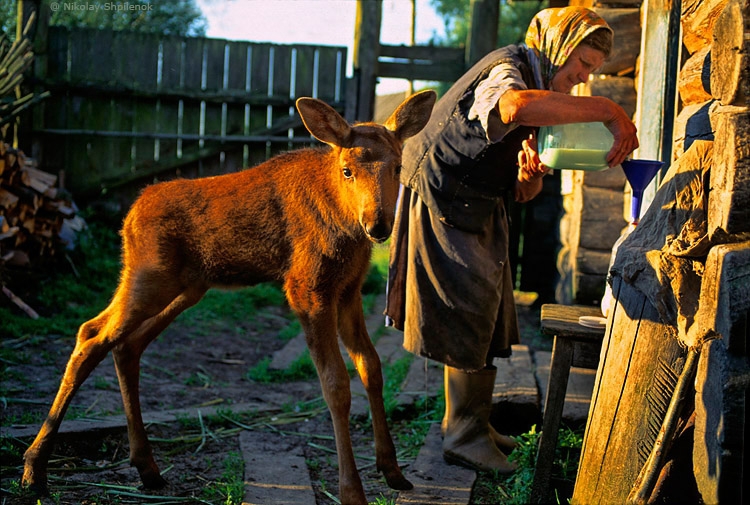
<point>451,291</point>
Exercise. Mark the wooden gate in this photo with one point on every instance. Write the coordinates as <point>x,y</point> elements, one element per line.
<point>127,108</point>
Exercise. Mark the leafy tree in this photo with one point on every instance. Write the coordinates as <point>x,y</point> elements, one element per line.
<point>170,17</point>
<point>514,19</point>
<point>8,11</point>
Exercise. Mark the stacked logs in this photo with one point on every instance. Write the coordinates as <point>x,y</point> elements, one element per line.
<point>37,219</point>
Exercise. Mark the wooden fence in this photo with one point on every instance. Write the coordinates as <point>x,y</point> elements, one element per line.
<point>131,107</point>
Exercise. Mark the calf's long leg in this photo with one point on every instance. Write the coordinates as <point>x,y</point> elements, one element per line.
<point>353,332</point>
<point>95,339</point>
<point>320,333</point>
<point>127,358</point>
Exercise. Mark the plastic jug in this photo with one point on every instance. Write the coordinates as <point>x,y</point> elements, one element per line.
<point>576,146</point>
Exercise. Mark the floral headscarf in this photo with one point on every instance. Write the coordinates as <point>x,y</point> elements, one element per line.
<point>554,33</point>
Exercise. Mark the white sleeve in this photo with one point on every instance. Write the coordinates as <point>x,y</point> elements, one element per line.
<point>503,77</point>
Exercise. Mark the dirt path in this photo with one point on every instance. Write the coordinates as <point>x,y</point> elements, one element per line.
<point>183,373</point>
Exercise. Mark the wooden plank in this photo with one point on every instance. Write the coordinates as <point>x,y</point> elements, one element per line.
<point>305,71</point>
<point>144,48</point>
<point>282,71</point>
<point>191,109</point>
<point>446,72</point>
<point>214,121</point>
<point>240,56</point>
<point>562,321</point>
<point>331,74</point>
<point>654,113</point>
<point>168,109</point>
<point>173,65</point>
<point>122,113</point>
<point>57,53</point>
<point>285,481</point>
<point>89,53</point>
<point>639,368</point>
<point>432,54</point>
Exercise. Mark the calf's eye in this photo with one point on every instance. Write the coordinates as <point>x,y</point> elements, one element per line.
<point>347,173</point>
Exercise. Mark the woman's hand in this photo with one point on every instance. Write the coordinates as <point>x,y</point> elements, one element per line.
<point>530,171</point>
<point>626,140</point>
<point>530,166</point>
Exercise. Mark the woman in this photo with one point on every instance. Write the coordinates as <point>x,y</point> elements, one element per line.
<point>450,284</point>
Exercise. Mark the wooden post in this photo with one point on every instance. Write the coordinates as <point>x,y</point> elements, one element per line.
<point>655,112</point>
<point>366,52</point>
<point>482,37</point>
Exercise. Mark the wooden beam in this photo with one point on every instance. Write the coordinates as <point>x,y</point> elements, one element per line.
<point>655,110</point>
<point>366,50</point>
<point>482,37</point>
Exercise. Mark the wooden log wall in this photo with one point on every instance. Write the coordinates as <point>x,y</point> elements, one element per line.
<point>593,202</point>
<point>697,366</point>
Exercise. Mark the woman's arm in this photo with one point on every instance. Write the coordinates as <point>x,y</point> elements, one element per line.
<point>545,108</point>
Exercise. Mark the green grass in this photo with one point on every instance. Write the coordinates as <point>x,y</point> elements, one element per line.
<point>230,490</point>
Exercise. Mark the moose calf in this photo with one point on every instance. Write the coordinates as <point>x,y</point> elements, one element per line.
<point>307,219</point>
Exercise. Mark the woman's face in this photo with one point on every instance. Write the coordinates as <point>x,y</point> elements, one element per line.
<point>582,61</point>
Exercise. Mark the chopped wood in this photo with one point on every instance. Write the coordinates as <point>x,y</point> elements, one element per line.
<point>7,199</point>
<point>37,179</point>
<point>32,210</point>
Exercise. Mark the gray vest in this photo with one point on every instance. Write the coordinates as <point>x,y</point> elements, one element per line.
<point>456,171</point>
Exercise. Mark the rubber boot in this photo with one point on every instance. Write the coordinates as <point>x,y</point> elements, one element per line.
<point>503,442</point>
<point>467,439</point>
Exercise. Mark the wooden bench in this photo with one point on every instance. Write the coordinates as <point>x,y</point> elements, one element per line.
<point>574,345</point>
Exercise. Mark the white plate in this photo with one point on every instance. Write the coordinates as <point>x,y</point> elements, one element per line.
<point>592,321</point>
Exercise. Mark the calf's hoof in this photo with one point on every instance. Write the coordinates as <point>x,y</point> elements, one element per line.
<point>153,480</point>
<point>34,482</point>
<point>396,480</point>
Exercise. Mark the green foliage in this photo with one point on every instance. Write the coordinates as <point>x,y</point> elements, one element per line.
<point>513,20</point>
<point>394,375</point>
<point>219,310</point>
<point>300,369</point>
<point>167,17</point>
<point>8,21</point>
<point>515,489</point>
<point>231,488</point>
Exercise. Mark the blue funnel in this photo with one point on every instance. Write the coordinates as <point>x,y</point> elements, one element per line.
<point>639,174</point>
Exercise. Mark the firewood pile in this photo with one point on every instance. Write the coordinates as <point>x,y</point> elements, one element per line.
<point>37,219</point>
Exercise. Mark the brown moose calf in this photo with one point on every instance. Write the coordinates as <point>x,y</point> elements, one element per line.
<point>306,218</point>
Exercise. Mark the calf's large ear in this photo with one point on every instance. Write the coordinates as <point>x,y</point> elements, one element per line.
<point>412,115</point>
<point>323,122</point>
